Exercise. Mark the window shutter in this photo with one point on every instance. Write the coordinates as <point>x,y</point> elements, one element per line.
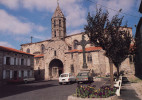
<point>28,62</point>
<point>16,61</point>
<point>4,74</point>
<point>20,73</point>
<point>24,61</point>
<point>19,61</point>
<point>4,62</point>
<point>11,61</point>
<point>10,74</point>
<point>30,73</point>
<point>25,73</point>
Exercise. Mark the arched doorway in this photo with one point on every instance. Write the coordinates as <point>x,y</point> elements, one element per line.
<point>55,68</point>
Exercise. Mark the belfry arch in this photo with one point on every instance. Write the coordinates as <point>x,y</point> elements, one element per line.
<point>55,68</point>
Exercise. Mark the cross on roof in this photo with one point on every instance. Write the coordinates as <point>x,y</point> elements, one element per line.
<point>83,43</point>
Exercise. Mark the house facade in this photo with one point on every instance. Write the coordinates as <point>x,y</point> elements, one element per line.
<point>15,64</point>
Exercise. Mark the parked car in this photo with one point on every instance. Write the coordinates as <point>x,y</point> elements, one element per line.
<point>29,79</point>
<point>84,77</point>
<point>15,81</point>
<point>66,78</point>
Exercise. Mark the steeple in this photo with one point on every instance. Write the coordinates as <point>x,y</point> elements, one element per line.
<point>58,24</point>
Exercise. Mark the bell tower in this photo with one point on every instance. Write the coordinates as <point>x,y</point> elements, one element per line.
<point>58,24</point>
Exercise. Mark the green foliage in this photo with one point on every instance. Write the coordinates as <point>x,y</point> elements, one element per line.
<point>110,35</point>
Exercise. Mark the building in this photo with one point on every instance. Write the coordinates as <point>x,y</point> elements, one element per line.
<point>138,39</point>
<point>62,53</point>
<point>15,64</point>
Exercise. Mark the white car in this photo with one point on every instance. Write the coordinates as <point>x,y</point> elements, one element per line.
<point>29,79</point>
<point>67,78</point>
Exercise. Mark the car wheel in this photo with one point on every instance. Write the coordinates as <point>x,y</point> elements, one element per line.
<point>26,81</point>
<point>60,83</point>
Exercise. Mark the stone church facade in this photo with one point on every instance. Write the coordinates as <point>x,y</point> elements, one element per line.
<point>62,54</point>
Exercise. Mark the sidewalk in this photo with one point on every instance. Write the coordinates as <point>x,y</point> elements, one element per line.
<point>127,91</point>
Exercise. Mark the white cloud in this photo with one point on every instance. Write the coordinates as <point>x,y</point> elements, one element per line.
<point>6,44</point>
<point>75,31</point>
<point>22,39</point>
<point>11,24</point>
<point>12,4</point>
<point>39,4</point>
<point>125,5</point>
<point>40,37</point>
<point>39,28</point>
<point>73,9</point>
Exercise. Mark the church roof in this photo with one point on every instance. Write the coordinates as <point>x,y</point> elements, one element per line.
<point>38,56</point>
<point>58,12</point>
<point>86,49</point>
<point>2,48</point>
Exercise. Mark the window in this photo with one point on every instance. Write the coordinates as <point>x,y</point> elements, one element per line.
<point>71,55</point>
<point>7,60</point>
<point>42,48</point>
<point>28,50</point>
<point>54,33</point>
<point>54,23</point>
<point>54,53</point>
<point>21,49</point>
<point>14,61</point>
<point>69,48</point>
<point>37,60</point>
<point>38,71</point>
<point>7,74</point>
<point>59,22</point>
<point>130,59</point>
<point>22,61</point>
<point>75,44</point>
<point>89,58</point>
<point>59,33</point>
<point>72,68</point>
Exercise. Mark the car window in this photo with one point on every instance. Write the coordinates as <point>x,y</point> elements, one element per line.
<point>64,75</point>
<point>82,74</point>
<point>70,75</point>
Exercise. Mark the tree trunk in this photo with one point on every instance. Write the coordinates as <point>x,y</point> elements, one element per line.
<point>117,72</point>
<point>111,73</point>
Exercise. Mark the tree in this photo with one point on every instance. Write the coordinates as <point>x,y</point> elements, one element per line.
<point>110,35</point>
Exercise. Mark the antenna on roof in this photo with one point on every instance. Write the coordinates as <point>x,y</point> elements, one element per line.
<point>31,39</point>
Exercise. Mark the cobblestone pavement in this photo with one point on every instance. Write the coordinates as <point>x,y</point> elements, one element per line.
<point>45,90</point>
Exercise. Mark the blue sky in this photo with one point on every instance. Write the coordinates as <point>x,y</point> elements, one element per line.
<point>21,19</point>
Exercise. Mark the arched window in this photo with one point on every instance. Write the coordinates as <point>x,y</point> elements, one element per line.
<point>28,50</point>
<point>89,58</point>
<point>42,48</point>
<point>54,23</point>
<point>72,68</point>
<point>54,33</point>
<point>59,22</point>
<point>55,53</point>
<point>75,44</point>
<point>21,49</point>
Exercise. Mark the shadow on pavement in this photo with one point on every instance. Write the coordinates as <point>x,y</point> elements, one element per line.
<point>127,92</point>
<point>13,89</point>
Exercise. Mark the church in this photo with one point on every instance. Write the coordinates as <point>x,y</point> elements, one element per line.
<point>62,54</point>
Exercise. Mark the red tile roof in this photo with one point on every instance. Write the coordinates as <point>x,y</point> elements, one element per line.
<point>2,48</point>
<point>86,49</point>
<point>41,55</point>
